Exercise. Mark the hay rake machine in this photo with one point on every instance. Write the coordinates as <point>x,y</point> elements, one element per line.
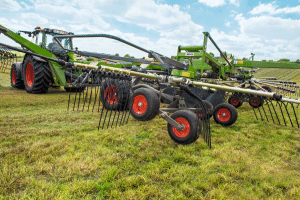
<point>117,93</point>
<point>6,58</point>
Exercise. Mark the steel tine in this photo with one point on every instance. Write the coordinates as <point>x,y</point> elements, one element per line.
<point>87,89</point>
<point>118,109</point>
<point>102,92</point>
<point>96,92</point>
<point>281,112</point>
<point>265,112</point>
<point>92,86</point>
<point>285,106</point>
<point>267,101</point>
<point>106,96</point>
<point>262,119</point>
<point>275,112</point>
<point>295,114</point>
<point>128,100</point>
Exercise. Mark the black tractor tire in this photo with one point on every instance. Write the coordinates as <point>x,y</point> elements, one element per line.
<point>189,134</point>
<point>16,76</point>
<point>37,75</point>
<point>235,101</point>
<point>225,114</point>
<point>144,104</point>
<point>255,101</point>
<point>115,95</point>
<point>267,88</point>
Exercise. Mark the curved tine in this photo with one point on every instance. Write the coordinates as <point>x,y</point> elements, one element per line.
<point>267,101</point>
<point>287,112</point>
<point>87,89</point>
<point>102,92</point>
<point>113,95</point>
<point>127,104</point>
<point>91,94</point>
<point>120,96</point>
<point>295,114</point>
<point>98,86</point>
<point>275,111</point>
<point>110,105</point>
<point>281,112</point>
<point>119,111</point>
<point>265,112</point>
<point>70,92</point>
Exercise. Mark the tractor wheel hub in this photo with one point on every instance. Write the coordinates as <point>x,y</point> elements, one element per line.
<point>140,104</point>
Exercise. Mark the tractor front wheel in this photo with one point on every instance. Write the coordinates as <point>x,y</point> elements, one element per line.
<point>189,133</point>
<point>144,104</point>
<point>225,114</point>
<point>37,75</point>
<point>16,76</point>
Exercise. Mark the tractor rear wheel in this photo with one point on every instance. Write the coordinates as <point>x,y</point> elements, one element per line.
<point>235,101</point>
<point>144,104</point>
<point>225,114</point>
<point>16,76</point>
<point>190,121</point>
<point>115,95</point>
<point>37,75</point>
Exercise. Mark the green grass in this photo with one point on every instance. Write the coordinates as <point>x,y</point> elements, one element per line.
<point>47,152</point>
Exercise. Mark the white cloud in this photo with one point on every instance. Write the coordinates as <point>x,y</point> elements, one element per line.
<point>212,3</point>
<point>10,5</point>
<point>227,24</point>
<point>217,3</point>
<point>33,18</point>
<point>273,9</point>
<point>27,7</point>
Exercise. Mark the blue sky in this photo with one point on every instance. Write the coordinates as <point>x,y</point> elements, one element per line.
<point>270,29</point>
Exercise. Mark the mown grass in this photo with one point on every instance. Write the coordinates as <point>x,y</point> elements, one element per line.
<point>47,152</point>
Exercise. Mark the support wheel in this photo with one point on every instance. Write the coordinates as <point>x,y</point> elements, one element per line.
<point>144,104</point>
<point>225,114</point>
<point>16,76</point>
<point>37,75</point>
<point>267,88</point>
<point>235,101</point>
<point>190,121</point>
<point>115,94</point>
<point>256,102</point>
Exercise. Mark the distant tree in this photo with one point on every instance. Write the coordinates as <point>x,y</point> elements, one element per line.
<point>284,60</point>
<point>131,56</point>
<point>117,54</point>
<point>143,58</point>
<point>244,58</point>
<point>90,59</point>
<point>297,61</point>
<point>127,56</point>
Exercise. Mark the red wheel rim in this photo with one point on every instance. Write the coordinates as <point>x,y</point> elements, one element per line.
<point>111,94</point>
<point>223,114</point>
<point>255,101</point>
<point>139,105</point>
<point>234,101</point>
<point>13,76</point>
<point>29,74</point>
<point>184,132</point>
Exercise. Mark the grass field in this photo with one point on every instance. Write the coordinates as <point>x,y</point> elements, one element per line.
<point>47,152</point>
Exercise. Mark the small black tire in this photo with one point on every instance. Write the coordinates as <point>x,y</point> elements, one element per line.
<point>225,114</point>
<point>255,101</point>
<point>235,101</point>
<point>115,95</point>
<point>267,88</point>
<point>144,104</point>
<point>16,76</point>
<point>252,87</point>
<point>189,134</point>
<point>37,75</point>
